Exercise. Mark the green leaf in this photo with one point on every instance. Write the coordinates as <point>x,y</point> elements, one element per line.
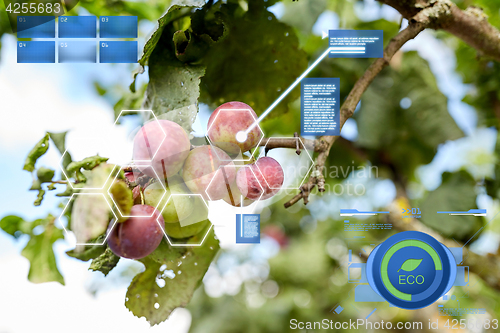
<point>410,265</point>
<point>255,63</point>
<point>39,198</point>
<point>90,251</point>
<point>184,117</point>
<point>456,193</point>
<point>172,293</point>
<point>122,197</point>
<point>89,217</point>
<point>105,262</point>
<point>175,11</point>
<point>43,266</point>
<point>36,185</point>
<point>35,153</point>
<point>59,140</point>
<point>45,174</point>
<point>172,84</point>
<point>87,163</point>
<point>12,225</point>
<point>188,46</point>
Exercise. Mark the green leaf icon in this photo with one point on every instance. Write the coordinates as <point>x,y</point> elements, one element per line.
<point>410,265</point>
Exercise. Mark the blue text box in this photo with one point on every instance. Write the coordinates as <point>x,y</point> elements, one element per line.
<point>77,51</point>
<point>36,27</point>
<point>113,52</point>
<point>77,27</point>
<point>118,27</point>
<point>36,52</point>
<point>356,43</point>
<point>320,104</point>
<point>247,228</point>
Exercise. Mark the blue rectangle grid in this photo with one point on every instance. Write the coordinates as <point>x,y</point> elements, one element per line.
<point>320,104</point>
<point>113,52</point>
<point>77,27</point>
<point>77,51</point>
<point>36,52</point>
<point>247,228</point>
<point>356,43</point>
<point>36,27</point>
<point>118,27</point>
<point>338,309</point>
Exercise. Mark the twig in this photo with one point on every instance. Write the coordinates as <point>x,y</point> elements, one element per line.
<point>297,145</point>
<point>59,182</point>
<point>272,143</point>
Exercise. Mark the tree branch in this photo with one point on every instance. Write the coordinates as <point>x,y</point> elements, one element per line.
<point>272,143</point>
<point>470,25</point>
<point>347,110</point>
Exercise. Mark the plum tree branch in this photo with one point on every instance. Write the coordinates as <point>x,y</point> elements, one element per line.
<point>325,143</point>
<point>470,25</point>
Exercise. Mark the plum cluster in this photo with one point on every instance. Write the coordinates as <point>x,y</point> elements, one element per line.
<point>190,176</point>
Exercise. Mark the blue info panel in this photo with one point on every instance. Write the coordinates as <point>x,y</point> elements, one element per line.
<point>77,27</point>
<point>356,43</point>
<point>36,52</point>
<point>77,52</point>
<point>113,52</point>
<point>247,228</point>
<point>320,106</point>
<point>118,27</point>
<point>36,27</point>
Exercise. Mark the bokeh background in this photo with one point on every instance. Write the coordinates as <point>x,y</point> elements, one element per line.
<point>428,123</point>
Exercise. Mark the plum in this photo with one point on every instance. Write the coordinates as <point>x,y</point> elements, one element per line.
<point>170,153</point>
<point>234,197</point>
<point>229,119</point>
<point>138,236</point>
<point>203,168</point>
<point>267,172</point>
<point>175,230</point>
<point>179,206</point>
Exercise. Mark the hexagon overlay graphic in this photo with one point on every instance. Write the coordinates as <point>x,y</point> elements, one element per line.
<point>241,153</point>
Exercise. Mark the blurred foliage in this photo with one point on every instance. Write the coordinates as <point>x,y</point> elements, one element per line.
<point>409,136</point>
<point>456,191</point>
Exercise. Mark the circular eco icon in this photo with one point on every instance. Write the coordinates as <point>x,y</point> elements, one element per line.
<point>411,270</point>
